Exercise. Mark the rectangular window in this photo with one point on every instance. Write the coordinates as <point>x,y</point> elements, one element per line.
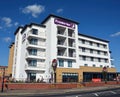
<point>104,46</point>
<point>69,63</point>
<point>61,63</point>
<point>33,41</point>
<point>91,43</point>
<point>84,58</point>
<point>106,60</point>
<point>85,64</point>
<point>94,65</point>
<point>33,51</point>
<point>69,77</point>
<point>91,51</point>
<point>35,31</point>
<point>105,53</point>
<point>99,60</point>
<point>83,49</point>
<point>32,62</point>
<point>98,44</point>
<point>98,52</point>
<point>101,65</point>
<point>83,41</point>
<point>32,76</point>
<point>92,59</point>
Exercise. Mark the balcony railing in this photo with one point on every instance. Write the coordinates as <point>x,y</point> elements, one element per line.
<point>38,67</point>
<point>39,35</point>
<point>72,45</point>
<point>62,43</point>
<point>37,56</point>
<point>39,45</point>
<point>61,54</point>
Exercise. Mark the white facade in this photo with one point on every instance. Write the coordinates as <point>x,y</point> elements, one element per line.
<point>57,38</point>
<point>93,52</point>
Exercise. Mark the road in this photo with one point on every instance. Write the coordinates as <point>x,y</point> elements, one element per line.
<point>107,93</point>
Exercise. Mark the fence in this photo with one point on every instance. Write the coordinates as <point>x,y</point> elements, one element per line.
<point>57,85</point>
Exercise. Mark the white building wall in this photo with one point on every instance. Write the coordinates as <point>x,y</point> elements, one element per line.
<point>49,33</point>
<point>48,50</point>
<point>77,55</point>
<point>22,73</point>
<point>17,55</point>
<point>87,53</point>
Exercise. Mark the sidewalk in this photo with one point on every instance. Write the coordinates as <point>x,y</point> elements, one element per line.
<point>57,91</point>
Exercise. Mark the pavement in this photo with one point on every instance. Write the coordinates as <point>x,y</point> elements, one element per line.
<point>57,91</point>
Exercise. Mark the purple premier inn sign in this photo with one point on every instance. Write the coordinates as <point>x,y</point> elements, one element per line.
<point>64,23</point>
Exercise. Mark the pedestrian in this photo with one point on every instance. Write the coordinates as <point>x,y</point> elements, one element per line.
<point>6,83</point>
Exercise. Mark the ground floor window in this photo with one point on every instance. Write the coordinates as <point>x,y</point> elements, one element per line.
<point>69,77</point>
<point>88,76</point>
<point>32,77</point>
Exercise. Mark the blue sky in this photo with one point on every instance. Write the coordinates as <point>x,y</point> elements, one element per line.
<point>99,18</point>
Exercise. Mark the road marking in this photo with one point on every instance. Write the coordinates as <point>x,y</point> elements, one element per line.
<point>113,92</point>
<point>74,96</point>
<point>96,94</point>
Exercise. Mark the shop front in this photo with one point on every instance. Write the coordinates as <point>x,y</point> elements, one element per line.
<point>84,74</point>
<point>69,77</point>
<point>94,76</point>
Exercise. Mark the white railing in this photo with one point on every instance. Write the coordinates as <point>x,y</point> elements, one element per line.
<point>37,67</point>
<point>36,56</point>
<point>38,44</point>
<point>39,35</point>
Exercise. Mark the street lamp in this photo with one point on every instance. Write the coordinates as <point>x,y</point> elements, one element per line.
<point>54,66</point>
<point>3,79</point>
<point>105,74</point>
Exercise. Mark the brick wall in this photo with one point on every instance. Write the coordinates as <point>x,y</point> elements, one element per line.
<point>93,84</point>
<point>56,86</point>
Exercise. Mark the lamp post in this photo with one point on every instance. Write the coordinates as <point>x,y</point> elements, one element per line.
<point>105,74</point>
<point>54,66</point>
<point>3,80</point>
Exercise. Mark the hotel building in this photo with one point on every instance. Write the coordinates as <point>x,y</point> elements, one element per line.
<point>79,57</point>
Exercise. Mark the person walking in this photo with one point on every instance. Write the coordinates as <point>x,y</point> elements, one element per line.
<point>6,83</point>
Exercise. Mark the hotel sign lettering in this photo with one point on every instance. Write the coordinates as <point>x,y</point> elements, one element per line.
<point>64,23</point>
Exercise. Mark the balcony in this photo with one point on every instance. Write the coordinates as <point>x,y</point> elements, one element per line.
<point>62,52</point>
<point>38,35</point>
<point>71,53</point>
<point>61,31</point>
<point>39,67</point>
<point>38,56</point>
<point>39,45</point>
<point>71,33</point>
<point>71,43</point>
<point>62,41</point>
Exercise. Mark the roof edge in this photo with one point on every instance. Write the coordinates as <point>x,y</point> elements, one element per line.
<point>11,44</point>
<point>31,24</point>
<point>20,27</point>
<point>52,15</point>
<point>94,37</point>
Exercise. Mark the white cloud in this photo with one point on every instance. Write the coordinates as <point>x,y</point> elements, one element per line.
<point>7,21</point>
<point>16,23</point>
<point>35,10</point>
<point>59,10</point>
<point>115,34</point>
<point>0,27</point>
<point>7,39</point>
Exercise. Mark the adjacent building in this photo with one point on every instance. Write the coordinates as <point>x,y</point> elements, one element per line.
<point>3,72</point>
<point>79,57</point>
<point>10,59</point>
